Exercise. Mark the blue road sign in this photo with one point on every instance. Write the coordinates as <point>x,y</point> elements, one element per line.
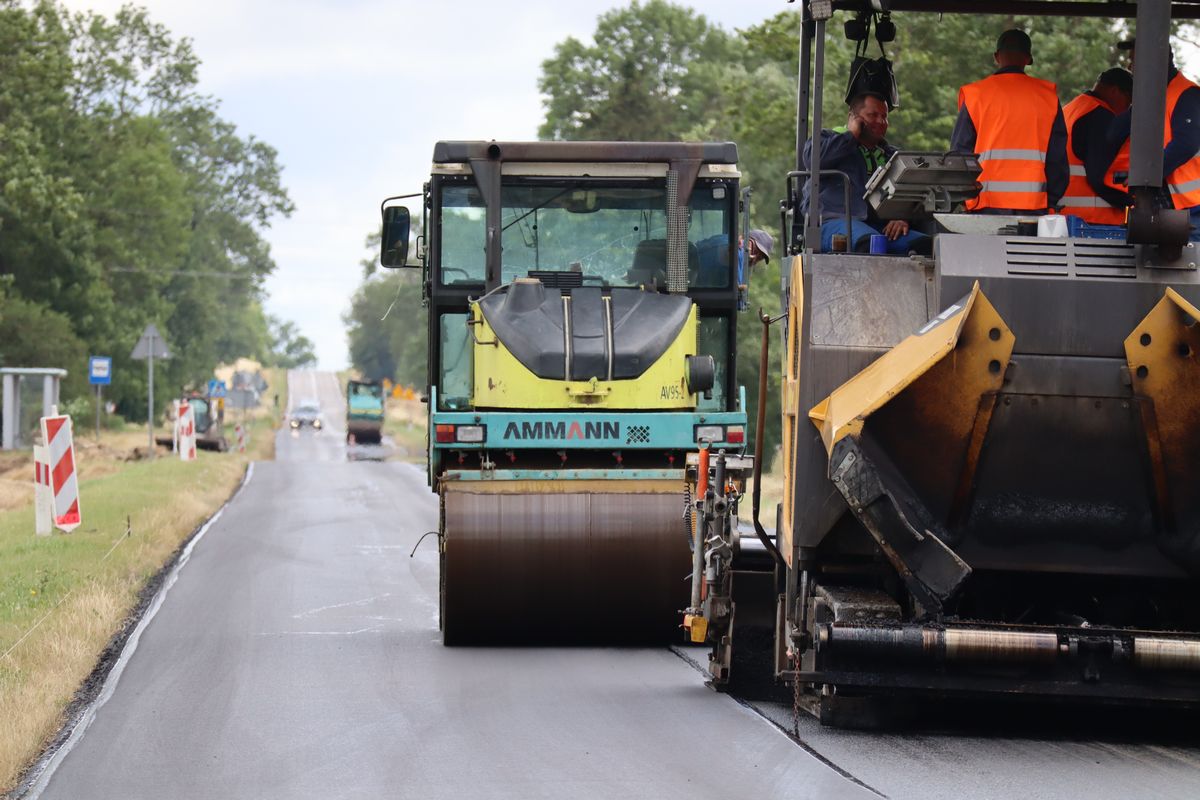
<point>100,370</point>
<point>216,388</point>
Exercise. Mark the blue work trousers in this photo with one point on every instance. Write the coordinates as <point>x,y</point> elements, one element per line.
<point>913,240</point>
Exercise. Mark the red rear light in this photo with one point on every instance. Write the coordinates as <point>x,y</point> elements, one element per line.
<point>444,434</point>
<point>735,434</point>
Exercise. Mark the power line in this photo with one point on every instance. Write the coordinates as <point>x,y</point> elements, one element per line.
<point>192,272</point>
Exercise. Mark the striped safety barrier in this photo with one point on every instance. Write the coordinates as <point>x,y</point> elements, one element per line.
<point>187,432</point>
<point>43,495</point>
<point>64,484</point>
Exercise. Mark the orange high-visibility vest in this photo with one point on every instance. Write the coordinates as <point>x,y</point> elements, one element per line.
<point>1184,182</point>
<point>1080,199</point>
<point>1013,114</point>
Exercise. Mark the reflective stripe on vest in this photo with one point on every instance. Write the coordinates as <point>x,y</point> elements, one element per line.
<point>1012,113</point>
<point>1081,199</point>
<point>1184,182</point>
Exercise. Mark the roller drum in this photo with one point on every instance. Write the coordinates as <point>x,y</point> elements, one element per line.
<point>563,561</point>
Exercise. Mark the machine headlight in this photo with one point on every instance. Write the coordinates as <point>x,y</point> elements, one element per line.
<point>317,424</point>
<point>710,433</point>
<point>474,434</point>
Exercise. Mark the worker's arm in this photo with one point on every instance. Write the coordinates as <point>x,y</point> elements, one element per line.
<point>1185,131</point>
<point>962,140</point>
<point>1058,171</point>
<point>1093,147</point>
<point>835,147</point>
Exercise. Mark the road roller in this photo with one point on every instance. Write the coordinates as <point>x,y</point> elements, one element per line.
<point>583,301</point>
<point>991,454</point>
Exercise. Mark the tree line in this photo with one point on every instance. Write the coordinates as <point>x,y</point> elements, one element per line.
<point>128,200</point>
<point>658,71</point>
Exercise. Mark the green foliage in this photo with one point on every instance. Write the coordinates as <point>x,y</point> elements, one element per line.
<point>128,200</point>
<point>33,335</point>
<point>292,350</point>
<point>387,325</point>
<point>648,76</point>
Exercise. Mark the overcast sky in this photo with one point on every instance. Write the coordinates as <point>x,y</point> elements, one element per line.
<point>353,94</point>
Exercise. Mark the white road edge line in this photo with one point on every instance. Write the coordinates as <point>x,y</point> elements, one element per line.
<point>114,675</point>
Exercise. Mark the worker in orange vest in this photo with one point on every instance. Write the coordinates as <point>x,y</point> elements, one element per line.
<point>1014,123</point>
<point>1181,140</point>
<point>1098,165</point>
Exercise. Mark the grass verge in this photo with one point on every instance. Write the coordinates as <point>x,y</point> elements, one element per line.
<point>407,424</point>
<point>64,597</point>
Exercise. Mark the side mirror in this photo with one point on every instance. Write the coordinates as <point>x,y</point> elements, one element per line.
<point>393,249</point>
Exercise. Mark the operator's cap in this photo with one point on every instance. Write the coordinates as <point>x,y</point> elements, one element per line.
<point>1129,44</point>
<point>1017,41</point>
<point>763,241</point>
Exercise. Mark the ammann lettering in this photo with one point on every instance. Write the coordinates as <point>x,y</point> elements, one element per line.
<point>526,431</point>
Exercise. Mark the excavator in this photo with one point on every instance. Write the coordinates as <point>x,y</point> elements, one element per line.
<point>991,455</point>
<point>582,307</point>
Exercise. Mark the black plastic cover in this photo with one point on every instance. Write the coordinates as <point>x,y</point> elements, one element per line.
<point>589,335</point>
<point>528,318</point>
<point>644,326</point>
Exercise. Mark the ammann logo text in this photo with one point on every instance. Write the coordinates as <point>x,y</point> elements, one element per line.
<point>560,430</point>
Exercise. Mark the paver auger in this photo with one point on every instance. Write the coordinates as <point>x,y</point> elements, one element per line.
<point>582,314</point>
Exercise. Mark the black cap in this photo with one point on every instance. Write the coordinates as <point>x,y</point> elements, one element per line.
<point>1128,44</point>
<point>1017,41</point>
<point>1118,77</point>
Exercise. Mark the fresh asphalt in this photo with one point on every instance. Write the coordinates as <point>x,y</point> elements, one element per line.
<point>296,654</point>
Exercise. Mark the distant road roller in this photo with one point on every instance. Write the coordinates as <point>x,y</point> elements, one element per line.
<point>582,302</point>
<point>992,456</point>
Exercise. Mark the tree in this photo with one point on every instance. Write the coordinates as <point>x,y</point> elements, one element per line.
<point>386,326</point>
<point>648,76</point>
<point>126,198</point>
<point>290,349</point>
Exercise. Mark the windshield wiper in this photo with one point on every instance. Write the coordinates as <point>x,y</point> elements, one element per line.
<point>538,207</point>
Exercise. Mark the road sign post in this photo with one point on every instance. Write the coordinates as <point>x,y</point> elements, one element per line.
<point>150,345</point>
<point>99,375</point>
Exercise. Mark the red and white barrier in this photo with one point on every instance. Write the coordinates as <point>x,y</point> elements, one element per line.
<point>241,438</point>
<point>187,432</point>
<point>64,485</point>
<point>43,496</point>
<point>175,426</point>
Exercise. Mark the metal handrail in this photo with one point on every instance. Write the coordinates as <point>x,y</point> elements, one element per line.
<point>804,173</point>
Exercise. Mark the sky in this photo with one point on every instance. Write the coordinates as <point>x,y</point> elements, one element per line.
<point>354,93</point>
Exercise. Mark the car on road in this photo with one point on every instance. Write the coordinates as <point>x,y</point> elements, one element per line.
<point>306,414</point>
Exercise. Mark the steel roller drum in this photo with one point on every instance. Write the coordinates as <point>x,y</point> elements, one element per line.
<point>563,561</point>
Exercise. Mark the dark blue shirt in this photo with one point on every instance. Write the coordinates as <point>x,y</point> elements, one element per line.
<point>1058,171</point>
<point>1092,146</point>
<point>841,151</point>
<point>1185,128</point>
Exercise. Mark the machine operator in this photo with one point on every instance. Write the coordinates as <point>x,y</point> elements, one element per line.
<point>1098,164</point>
<point>1015,124</point>
<point>858,151</point>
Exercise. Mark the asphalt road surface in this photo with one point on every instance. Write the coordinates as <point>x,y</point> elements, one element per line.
<point>296,654</point>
